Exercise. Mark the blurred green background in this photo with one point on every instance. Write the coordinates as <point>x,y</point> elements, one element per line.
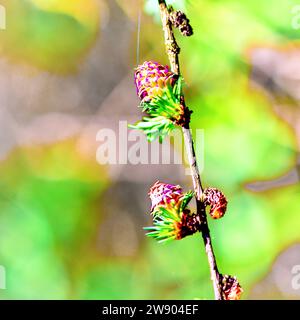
<point>71,228</point>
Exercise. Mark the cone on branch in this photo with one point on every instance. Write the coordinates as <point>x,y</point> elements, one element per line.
<point>172,219</point>
<point>217,202</point>
<point>160,92</point>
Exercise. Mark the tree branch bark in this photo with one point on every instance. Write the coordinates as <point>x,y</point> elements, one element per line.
<point>173,51</point>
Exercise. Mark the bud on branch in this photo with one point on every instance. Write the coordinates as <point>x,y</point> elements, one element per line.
<point>172,220</point>
<point>160,91</point>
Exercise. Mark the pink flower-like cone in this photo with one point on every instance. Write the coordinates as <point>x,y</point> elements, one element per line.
<point>171,218</point>
<point>150,79</point>
<point>217,202</point>
<point>160,91</point>
<point>164,193</point>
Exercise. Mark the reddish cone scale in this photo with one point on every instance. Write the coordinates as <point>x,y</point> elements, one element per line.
<point>150,79</point>
<point>217,202</point>
<point>164,193</point>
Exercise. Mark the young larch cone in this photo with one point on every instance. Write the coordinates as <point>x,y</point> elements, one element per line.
<point>150,79</point>
<point>172,220</point>
<point>231,289</point>
<point>217,202</point>
<point>163,193</point>
<point>160,91</point>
